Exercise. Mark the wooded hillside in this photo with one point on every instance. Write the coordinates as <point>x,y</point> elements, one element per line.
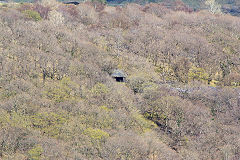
<point>58,100</point>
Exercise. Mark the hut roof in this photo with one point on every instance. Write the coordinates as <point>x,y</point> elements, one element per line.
<point>118,73</point>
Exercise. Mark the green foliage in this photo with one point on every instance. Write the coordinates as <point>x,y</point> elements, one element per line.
<point>199,74</point>
<point>76,117</point>
<point>49,123</point>
<point>101,120</point>
<point>140,82</point>
<point>105,108</point>
<point>213,83</point>
<point>14,119</point>
<point>233,79</point>
<point>102,43</point>
<point>229,50</point>
<point>225,68</point>
<point>136,84</point>
<point>61,91</point>
<point>100,89</point>
<point>165,110</point>
<point>32,15</point>
<point>19,119</point>
<point>35,153</point>
<point>7,94</point>
<point>4,118</point>
<point>166,72</point>
<point>96,134</point>
<point>179,115</point>
<point>235,84</point>
<point>150,115</point>
<point>144,124</point>
<point>181,68</point>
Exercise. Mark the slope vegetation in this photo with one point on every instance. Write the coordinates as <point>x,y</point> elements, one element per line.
<point>58,100</point>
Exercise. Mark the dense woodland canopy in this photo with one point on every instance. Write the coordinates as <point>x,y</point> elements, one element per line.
<point>58,101</point>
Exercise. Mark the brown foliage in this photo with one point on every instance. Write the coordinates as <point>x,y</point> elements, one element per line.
<point>58,100</point>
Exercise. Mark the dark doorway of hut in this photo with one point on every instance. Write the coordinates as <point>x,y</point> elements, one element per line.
<point>119,75</point>
<point>119,79</point>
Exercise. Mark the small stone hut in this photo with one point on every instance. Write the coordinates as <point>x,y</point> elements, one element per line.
<point>119,75</point>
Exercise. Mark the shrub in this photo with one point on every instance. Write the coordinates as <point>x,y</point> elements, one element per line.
<point>49,123</point>
<point>19,120</point>
<point>7,94</point>
<point>105,108</point>
<point>145,125</point>
<point>49,3</point>
<point>61,91</point>
<point>100,89</point>
<point>166,72</point>
<point>43,11</point>
<point>56,17</point>
<point>199,74</point>
<point>96,134</point>
<point>4,119</point>
<point>35,153</point>
<point>233,79</point>
<point>69,12</point>
<point>136,84</point>
<point>32,15</point>
<point>15,119</point>
<point>87,14</point>
<point>229,50</point>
